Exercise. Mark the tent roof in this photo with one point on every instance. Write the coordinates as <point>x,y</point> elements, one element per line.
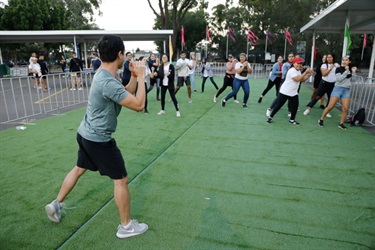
<point>58,36</point>
<point>361,15</point>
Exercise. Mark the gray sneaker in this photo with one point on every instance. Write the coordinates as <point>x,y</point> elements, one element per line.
<point>54,210</point>
<point>134,229</point>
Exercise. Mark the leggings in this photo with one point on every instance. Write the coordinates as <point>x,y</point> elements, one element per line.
<point>228,81</point>
<point>281,100</point>
<point>171,93</point>
<point>324,88</point>
<point>270,84</point>
<point>212,80</point>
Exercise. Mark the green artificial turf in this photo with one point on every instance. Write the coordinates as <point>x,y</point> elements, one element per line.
<point>215,178</point>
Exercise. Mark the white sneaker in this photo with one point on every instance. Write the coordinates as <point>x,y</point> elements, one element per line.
<point>306,112</point>
<point>134,229</point>
<point>236,101</point>
<point>329,115</point>
<point>268,112</point>
<point>72,89</point>
<point>79,88</point>
<point>161,112</point>
<point>215,99</point>
<point>178,114</point>
<point>190,101</point>
<point>54,210</point>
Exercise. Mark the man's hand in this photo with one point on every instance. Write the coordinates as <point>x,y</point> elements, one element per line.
<point>138,67</point>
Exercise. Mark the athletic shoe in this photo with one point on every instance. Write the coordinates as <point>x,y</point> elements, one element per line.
<point>260,99</point>
<point>145,111</point>
<point>178,114</point>
<point>329,115</point>
<point>157,99</point>
<point>161,112</point>
<point>236,101</point>
<point>244,106</point>
<point>215,98</point>
<point>54,210</point>
<point>72,89</point>
<point>322,107</point>
<point>268,112</point>
<point>269,120</point>
<point>133,229</point>
<point>294,122</point>
<point>223,102</point>
<point>320,123</point>
<point>342,126</point>
<point>79,88</point>
<point>190,101</point>
<point>306,112</point>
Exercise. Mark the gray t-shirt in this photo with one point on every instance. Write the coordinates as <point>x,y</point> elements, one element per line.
<point>100,120</point>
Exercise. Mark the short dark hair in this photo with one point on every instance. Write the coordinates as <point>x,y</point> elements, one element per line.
<point>109,46</point>
<point>127,53</point>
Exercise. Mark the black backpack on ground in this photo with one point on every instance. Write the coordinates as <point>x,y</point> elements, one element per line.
<point>359,117</point>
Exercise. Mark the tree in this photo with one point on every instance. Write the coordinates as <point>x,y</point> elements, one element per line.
<point>174,11</point>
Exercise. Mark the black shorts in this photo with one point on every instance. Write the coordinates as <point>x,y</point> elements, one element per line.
<point>182,79</point>
<point>104,157</point>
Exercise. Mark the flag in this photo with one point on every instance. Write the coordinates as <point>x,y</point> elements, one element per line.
<point>268,35</point>
<point>252,37</point>
<point>170,49</point>
<point>364,44</point>
<point>364,40</point>
<point>208,35</point>
<point>231,34</point>
<point>183,36</point>
<point>288,37</point>
<point>348,39</point>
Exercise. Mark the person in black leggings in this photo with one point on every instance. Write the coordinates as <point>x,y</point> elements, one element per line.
<point>289,90</point>
<point>274,79</point>
<point>328,70</point>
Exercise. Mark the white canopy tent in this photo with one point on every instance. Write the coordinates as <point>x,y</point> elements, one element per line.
<point>76,36</point>
<point>358,14</point>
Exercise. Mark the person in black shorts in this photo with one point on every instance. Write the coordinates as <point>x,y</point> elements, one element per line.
<point>98,151</point>
<point>183,66</point>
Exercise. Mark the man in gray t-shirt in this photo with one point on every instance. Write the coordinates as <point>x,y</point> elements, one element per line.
<point>97,149</point>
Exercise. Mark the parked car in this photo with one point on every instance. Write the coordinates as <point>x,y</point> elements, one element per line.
<point>10,63</point>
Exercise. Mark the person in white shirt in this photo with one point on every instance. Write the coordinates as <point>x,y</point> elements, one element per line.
<point>166,73</point>
<point>328,70</point>
<point>183,66</point>
<point>243,69</point>
<point>35,71</point>
<point>193,65</point>
<point>289,90</point>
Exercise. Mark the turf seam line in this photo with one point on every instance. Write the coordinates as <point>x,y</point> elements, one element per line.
<point>134,178</point>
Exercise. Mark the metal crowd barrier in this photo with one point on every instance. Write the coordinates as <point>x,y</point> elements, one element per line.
<point>363,96</point>
<point>20,101</point>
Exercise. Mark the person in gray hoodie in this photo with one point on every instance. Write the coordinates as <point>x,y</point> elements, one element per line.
<point>341,91</point>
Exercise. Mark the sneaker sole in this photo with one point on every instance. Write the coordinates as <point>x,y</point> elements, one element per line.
<point>50,209</point>
<point>124,236</point>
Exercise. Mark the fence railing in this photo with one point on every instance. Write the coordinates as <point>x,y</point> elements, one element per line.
<point>20,102</point>
<point>363,96</point>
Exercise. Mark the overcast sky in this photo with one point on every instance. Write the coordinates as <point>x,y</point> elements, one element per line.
<point>132,15</point>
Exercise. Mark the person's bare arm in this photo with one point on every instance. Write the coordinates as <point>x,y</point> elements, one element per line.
<point>136,102</point>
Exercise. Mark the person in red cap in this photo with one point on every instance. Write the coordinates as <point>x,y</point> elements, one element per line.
<point>289,90</point>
